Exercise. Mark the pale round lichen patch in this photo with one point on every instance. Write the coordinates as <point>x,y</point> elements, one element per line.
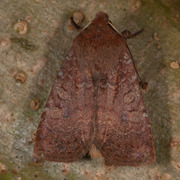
<point>5,43</point>
<point>173,143</point>
<point>155,36</point>
<point>174,65</point>
<point>19,178</point>
<point>21,27</point>
<point>78,17</point>
<point>75,22</point>
<point>3,168</point>
<point>20,76</point>
<point>35,104</point>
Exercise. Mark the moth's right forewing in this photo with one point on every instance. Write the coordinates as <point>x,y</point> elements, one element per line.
<point>123,132</point>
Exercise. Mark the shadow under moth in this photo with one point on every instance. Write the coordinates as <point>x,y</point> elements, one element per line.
<point>96,101</point>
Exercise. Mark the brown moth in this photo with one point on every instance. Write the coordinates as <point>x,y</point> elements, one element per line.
<point>96,101</point>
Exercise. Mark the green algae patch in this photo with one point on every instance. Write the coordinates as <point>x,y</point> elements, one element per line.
<point>24,43</point>
<point>6,177</point>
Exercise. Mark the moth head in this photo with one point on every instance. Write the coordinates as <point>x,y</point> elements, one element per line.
<point>101,18</point>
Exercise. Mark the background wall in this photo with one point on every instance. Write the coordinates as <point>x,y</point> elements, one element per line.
<point>30,59</point>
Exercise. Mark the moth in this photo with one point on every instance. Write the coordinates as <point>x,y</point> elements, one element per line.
<point>96,101</point>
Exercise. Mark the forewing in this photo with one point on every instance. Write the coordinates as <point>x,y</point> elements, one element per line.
<point>65,129</point>
<point>123,132</point>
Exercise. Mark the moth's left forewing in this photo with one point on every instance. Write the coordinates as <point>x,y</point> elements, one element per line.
<point>65,130</point>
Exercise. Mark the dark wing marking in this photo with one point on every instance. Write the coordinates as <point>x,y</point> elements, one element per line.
<point>65,130</point>
<point>123,132</point>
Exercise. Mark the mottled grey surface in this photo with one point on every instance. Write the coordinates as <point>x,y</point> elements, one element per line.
<point>39,53</point>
